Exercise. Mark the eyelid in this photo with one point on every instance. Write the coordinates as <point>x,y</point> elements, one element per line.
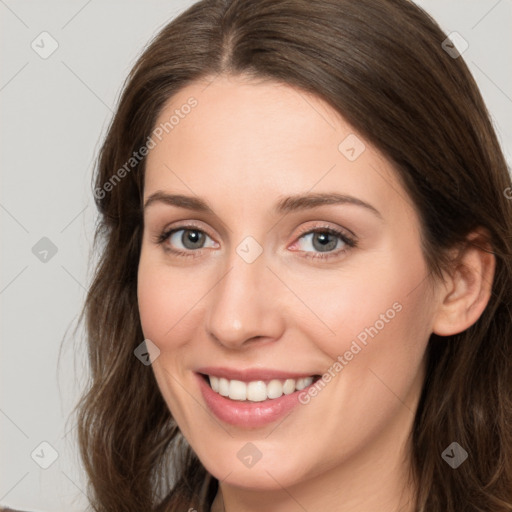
<point>179,225</point>
<point>328,227</point>
<point>166,232</point>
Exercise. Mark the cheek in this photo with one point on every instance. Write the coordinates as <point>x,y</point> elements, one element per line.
<point>379,314</point>
<point>381,320</point>
<point>165,300</point>
<point>152,300</point>
<point>160,305</point>
<point>169,301</point>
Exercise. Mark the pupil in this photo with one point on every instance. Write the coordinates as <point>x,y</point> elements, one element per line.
<point>324,243</point>
<point>193,238</point>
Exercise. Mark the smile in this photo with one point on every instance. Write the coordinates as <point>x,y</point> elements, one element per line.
<point>252,403</point>
<point>258,390</point>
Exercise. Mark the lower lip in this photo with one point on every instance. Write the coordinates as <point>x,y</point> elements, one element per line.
<point>248,414</point>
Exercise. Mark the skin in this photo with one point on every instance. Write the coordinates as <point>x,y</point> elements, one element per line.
<point>243,147</point>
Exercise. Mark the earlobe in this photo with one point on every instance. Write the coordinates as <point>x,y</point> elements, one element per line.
<point>466,292</point>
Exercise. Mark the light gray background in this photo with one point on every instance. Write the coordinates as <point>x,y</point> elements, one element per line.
<point>54,113</point>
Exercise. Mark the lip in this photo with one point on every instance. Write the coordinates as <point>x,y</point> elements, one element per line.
<point>251,374</point>
<point>248,414</point>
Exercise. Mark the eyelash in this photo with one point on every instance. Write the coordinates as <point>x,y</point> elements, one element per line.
<point>349,241</point>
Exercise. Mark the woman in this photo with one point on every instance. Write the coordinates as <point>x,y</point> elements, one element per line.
<point>303,293</point>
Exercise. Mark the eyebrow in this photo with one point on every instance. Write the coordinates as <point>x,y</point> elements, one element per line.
<point>284,205</point>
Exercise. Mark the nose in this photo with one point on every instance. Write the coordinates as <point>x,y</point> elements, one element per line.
<point>244,305</point>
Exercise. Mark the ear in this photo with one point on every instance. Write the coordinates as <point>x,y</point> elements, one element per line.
<point>466,291</point>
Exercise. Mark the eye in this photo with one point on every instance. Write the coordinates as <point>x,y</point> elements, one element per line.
<point>184,240</point>
<point>189,240</point>
<point>325,240</point>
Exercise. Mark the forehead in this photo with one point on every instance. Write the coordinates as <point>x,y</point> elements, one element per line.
<point>255,140</point>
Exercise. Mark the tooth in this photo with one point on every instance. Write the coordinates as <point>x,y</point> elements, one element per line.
<point>274,389</point>
<point>214,383</point>
<point>308,381</point>
<point>289,386</point>
<point>223,386</point>
<point>303,382</point>
<point>257,391</point>
<point>237,390</point>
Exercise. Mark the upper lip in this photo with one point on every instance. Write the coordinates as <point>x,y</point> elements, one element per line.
<point>251,374</point>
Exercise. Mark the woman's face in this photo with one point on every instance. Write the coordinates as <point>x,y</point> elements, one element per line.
<point>261,291</point>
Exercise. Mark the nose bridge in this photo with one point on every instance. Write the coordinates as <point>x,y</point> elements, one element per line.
<point>242,305</point>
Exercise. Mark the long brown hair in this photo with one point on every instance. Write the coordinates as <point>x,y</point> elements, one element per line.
<point>382,66</point>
